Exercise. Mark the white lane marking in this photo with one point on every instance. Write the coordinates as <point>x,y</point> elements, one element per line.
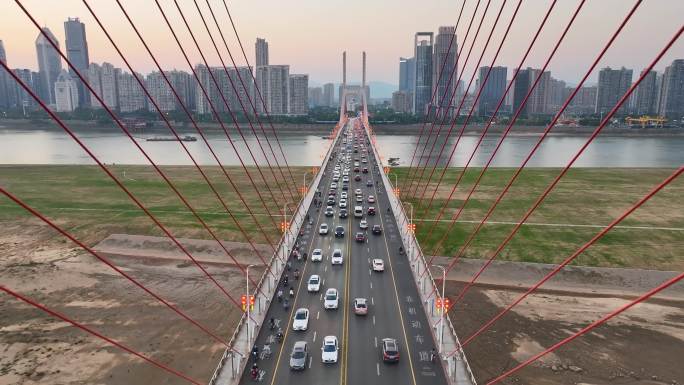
<point>377,366</point>
<point>326,267</point>
<point>369,260</point>
<point>318,314</point>
<point>321,297</point>
<point>368,249</point>
<point>373,320</point>
<point>314,338</point>
<point>376,340</point>
<point>311,359</point>
<point>371,285</point>
<point>323,282</point>
<point>372,301</point>
<point>370,272</point>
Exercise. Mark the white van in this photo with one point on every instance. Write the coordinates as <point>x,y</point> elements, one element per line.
<point>358,211</point>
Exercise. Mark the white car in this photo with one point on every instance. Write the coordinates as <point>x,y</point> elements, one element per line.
<point>343,195</point>
<point>317,255</point>
<point>359,199</point>
<point>329,350</point>
<point>301,319</point>
<point>337,258</point>
<point>314,284</point>
<point>358,191</point>
<point>323,230</point>
<point>371,199</point>
<point>345,178</point>
<point>331,299</point>
<point>378,264</point>
<point>333,185</point>
<point>363,224</point>
<point>343,203</point>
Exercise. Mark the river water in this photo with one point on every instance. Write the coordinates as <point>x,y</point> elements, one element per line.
<point>54,147</point>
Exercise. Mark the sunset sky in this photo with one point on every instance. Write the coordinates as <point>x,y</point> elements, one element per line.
<point>311,34</point>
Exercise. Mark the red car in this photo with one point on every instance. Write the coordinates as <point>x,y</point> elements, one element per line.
<point>371,210</point>
<point>360,237</point>
<point>357,178</point>
<point>365,170</point>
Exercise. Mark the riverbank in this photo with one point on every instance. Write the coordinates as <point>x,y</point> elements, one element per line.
<point>159,127</point>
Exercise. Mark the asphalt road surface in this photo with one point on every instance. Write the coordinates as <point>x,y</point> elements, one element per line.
<point>394,304</point>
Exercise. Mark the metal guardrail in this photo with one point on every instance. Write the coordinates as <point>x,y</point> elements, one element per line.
<point>277,265</point>
<point>419,267</point>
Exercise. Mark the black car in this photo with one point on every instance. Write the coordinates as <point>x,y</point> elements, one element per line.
<point>331,201</point>
<point>377,229</point>
<point>339,232</point>
<point>343,213</point>
<point>357,178</point>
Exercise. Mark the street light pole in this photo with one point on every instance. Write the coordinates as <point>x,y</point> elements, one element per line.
<point>249,302</point>
<point>441,322</point>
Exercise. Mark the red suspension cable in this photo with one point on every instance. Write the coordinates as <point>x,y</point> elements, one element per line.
<point>107,262</point>
<point>251,102</point>
<point>553,184</point>
<point>460,134</point>
<point>175,133</point>
<point>98,335</point>
<point>190,116</point>
<point>258,92</point>
<point>412,177</point>
<point>441,123</point>
<point>239,99</point>
<point>439,78</point>
<point>486,129</point>
<point>218,87</point>
<point>100,164</point>
<point>574,255</point>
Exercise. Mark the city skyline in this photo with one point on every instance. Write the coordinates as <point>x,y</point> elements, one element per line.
<point>393,40</point>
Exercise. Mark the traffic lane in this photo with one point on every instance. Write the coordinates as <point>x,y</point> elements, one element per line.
<point>366,364</point>
<point>419,330</point>
<point>321,322</point>
<point>283,317</point>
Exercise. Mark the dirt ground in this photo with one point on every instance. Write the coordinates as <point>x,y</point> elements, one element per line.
<point>36,348</point>
<point>643,346</point>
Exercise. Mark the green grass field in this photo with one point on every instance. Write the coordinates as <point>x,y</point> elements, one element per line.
<point>585,196</point>
<point>85,201</point>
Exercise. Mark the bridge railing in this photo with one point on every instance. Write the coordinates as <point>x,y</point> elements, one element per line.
<point>457,366</point>
<point>235,357</point>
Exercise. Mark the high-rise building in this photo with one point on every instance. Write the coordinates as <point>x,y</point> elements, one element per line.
<point>5,80</point>
<point>558,93</point>
<point>446,48</point>
<point>66,93</point>
<point>645,96</point>
<point>315,96</point>
<point>261,49</point>
<point>298,103</point>
<point>584,101</point>
<point>77,53</point>
<point>329,94</point>
<point>22,98</point>
<point>493,89</point>
<point>401,101</point>
<point>672,92</point>
<point>131,95</point>
<point>423,43</point>
<point>229,93</point>
<point>273,82</point>
<point>612,85</point>
<point>102,79</point>
<point>160,91</point>
<point>540,100</point>
<point>407,73</point>
<point>49,64</point>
